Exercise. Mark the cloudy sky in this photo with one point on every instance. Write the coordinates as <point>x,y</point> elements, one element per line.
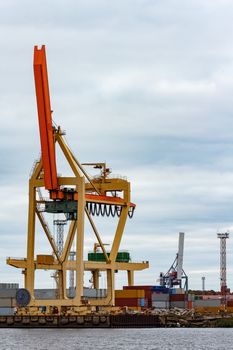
<point>146,86</point>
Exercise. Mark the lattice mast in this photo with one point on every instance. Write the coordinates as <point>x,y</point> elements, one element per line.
<point>60,235</point>
<point>71,272</point>
<point>223,263</point>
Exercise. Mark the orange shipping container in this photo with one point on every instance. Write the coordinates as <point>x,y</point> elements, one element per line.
<point>129,293</point>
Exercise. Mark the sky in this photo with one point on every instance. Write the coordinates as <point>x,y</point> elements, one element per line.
<point>147,87</point>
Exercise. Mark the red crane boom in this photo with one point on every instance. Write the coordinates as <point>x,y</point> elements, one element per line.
<point>45,119</point>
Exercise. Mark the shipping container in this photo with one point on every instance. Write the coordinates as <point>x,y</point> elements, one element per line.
<point>210,309</point>
<point>172,291</point>
<point>6,302</point>
<point>230,303</point>
<point>147,290</point>
<point>9,286</point>
<point>127,302</point>
<point>160,304</point>
<point>177,297</point>
<point>204,297</point>
<point>180,291</point>
<point>129,293</point>
<point>139,287</point>
<point>8,293</point>
<point>99,256</point>
<point>207,303</point>
<point>178,304</point>
<point>160,289</point>
<point>159,297</point>
<point>142,302</point>
<point>5,311</point>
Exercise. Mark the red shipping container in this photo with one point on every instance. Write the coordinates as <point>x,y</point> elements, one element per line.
<point>127,302</point>
<point>138,287</point>
<point>230,303</point>
<point>177,297</point>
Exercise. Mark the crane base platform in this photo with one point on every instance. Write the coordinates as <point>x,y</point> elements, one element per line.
<point>88,321</point>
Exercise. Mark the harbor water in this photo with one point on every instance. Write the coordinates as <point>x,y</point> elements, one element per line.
<point>143,339</point>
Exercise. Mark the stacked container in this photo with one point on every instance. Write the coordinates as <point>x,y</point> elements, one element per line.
<point>160,300</point>
<point>148,290</point>
<point>178,300</point>
<point>132,298</point>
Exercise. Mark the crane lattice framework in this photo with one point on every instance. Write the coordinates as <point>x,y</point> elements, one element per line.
<point>79,197</point>
<point>71,272</point>
<point>60,235</point>
<point>223,261</point>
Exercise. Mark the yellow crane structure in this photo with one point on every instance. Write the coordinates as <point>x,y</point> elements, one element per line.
<point>79,198</point>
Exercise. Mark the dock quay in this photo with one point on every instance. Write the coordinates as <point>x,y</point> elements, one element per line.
<point>165,320</point>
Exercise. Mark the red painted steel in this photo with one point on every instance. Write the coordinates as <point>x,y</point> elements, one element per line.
<point>89,198</point>
<point>45,118</point>
<point>127,301</point>
<point>177,297</point>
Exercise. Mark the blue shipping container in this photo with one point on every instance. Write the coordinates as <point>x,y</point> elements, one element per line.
<point>142,302</point>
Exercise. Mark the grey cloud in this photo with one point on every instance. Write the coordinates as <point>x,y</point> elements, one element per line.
<point>146,86</point>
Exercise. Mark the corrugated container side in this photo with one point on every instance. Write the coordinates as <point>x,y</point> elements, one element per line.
<point>177,297</point>
<point>212,309</point>
<point>130,293</point>
<point>160,289</point>
<point>159,297</point>
<point>172,291</point>
<point>127,302</point>
<point>207,303</point>
<point>178,304</point>
<point>179,290</point>
<point>8,293</point>
<point>6,302</point>
<point>5,311</point>
<point>142,302</point>
<point>9,286</point>
<point>139,287</point>
<point>204,297</point>
<point>160,304</point>
<point>147,289</point>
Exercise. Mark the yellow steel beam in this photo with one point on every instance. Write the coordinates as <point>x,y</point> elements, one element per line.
<point>31,239</point>
<point>88,265</point>
<point>120,226</point>
<point>48,234</point>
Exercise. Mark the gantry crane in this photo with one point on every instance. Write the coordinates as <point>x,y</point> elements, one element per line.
<point>78,197</point>
<point>176,274</point>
